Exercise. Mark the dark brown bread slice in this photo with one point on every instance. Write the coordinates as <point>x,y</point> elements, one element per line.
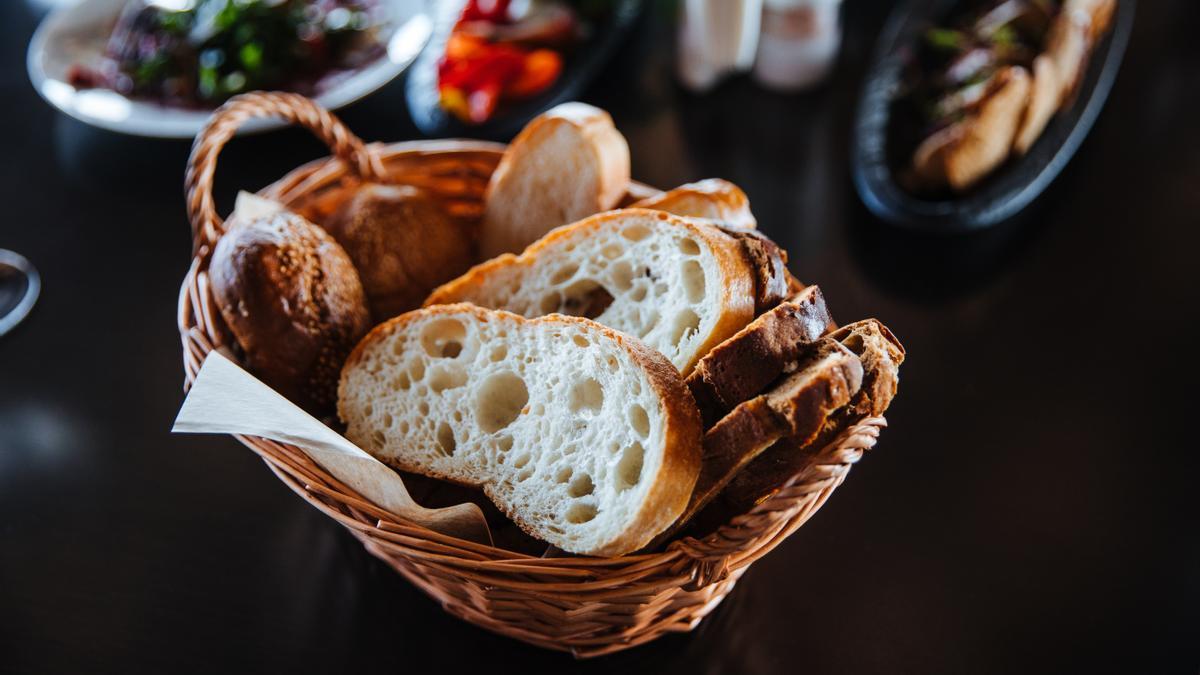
<point>745,364</point>
<point>769,263</point>
<point>828,375</point>
<point>881,355</point>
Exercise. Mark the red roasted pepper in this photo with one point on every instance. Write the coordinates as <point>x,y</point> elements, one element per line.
<point>475,74</point>
<point>495,11</point>
<point>542,68</point>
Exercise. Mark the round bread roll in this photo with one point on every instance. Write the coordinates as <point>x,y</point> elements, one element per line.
<point>402,244</point>
<point>293,301</point>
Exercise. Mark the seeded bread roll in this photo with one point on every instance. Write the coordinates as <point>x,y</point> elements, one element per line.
<point>292,300</point>
<point>402,244</point>
<point>583,436</point>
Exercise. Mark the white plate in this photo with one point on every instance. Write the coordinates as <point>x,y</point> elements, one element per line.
<point>77,34</point>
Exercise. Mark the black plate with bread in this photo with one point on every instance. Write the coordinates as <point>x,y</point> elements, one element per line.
<point>966,189</point>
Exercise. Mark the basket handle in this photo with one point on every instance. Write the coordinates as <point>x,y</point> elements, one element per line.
<point>207,226</point>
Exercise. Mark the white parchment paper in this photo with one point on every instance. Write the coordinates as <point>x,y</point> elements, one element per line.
<point>225,399</point>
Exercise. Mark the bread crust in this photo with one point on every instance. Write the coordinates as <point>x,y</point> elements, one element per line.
<point>402,244</point>
<point>881,355</point>
<point>798,407</point>
<point>745,364</point>
<point>769,262</point>
<point>713,198</point>
<point>680,465</point>
<point>604,146</point>
<point>682,459</point>
<point>293,301</point>
<point>737,277</point>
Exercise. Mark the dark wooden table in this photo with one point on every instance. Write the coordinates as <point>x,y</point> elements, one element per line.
<point>1033,507</point>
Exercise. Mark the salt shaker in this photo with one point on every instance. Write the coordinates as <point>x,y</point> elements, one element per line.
<point>798,43</point>
<point>716,38</point>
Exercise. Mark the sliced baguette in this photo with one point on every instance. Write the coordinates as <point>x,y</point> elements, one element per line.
<point>881,355</point>
<point>568,163</point>
<point>711,198</point>
<point>828,376</point>
<point>586,438</point>
<point>745,364</point>
<point>681,285</point>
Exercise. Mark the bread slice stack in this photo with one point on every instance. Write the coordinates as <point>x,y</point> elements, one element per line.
<point>585,438</point>
<point>625,376</point>
<point>880,355</point>
<point>747,363</point>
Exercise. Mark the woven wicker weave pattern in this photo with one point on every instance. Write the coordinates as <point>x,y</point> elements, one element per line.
<point>588,606</point>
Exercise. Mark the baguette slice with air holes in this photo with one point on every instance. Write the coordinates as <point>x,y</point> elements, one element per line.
<point>681,285</point>
<point>585,437</point>
<point>713,198</point>
<point>568,163</point>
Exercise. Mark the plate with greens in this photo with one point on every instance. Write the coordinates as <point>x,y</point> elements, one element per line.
<point>159,67</point>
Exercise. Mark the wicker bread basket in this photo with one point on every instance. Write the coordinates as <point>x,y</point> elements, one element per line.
<point>588,606</point>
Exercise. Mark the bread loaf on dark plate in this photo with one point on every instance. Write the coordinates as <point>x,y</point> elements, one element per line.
<point>292,300</point>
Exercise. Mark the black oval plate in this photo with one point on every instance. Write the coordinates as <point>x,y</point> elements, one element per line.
<point>1013,185</point>
<point>580,66</point>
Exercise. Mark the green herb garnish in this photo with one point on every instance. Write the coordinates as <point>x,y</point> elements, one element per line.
<point>945,39</point>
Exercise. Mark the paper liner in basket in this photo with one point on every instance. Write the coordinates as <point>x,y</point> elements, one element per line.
<point>225,399</point>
